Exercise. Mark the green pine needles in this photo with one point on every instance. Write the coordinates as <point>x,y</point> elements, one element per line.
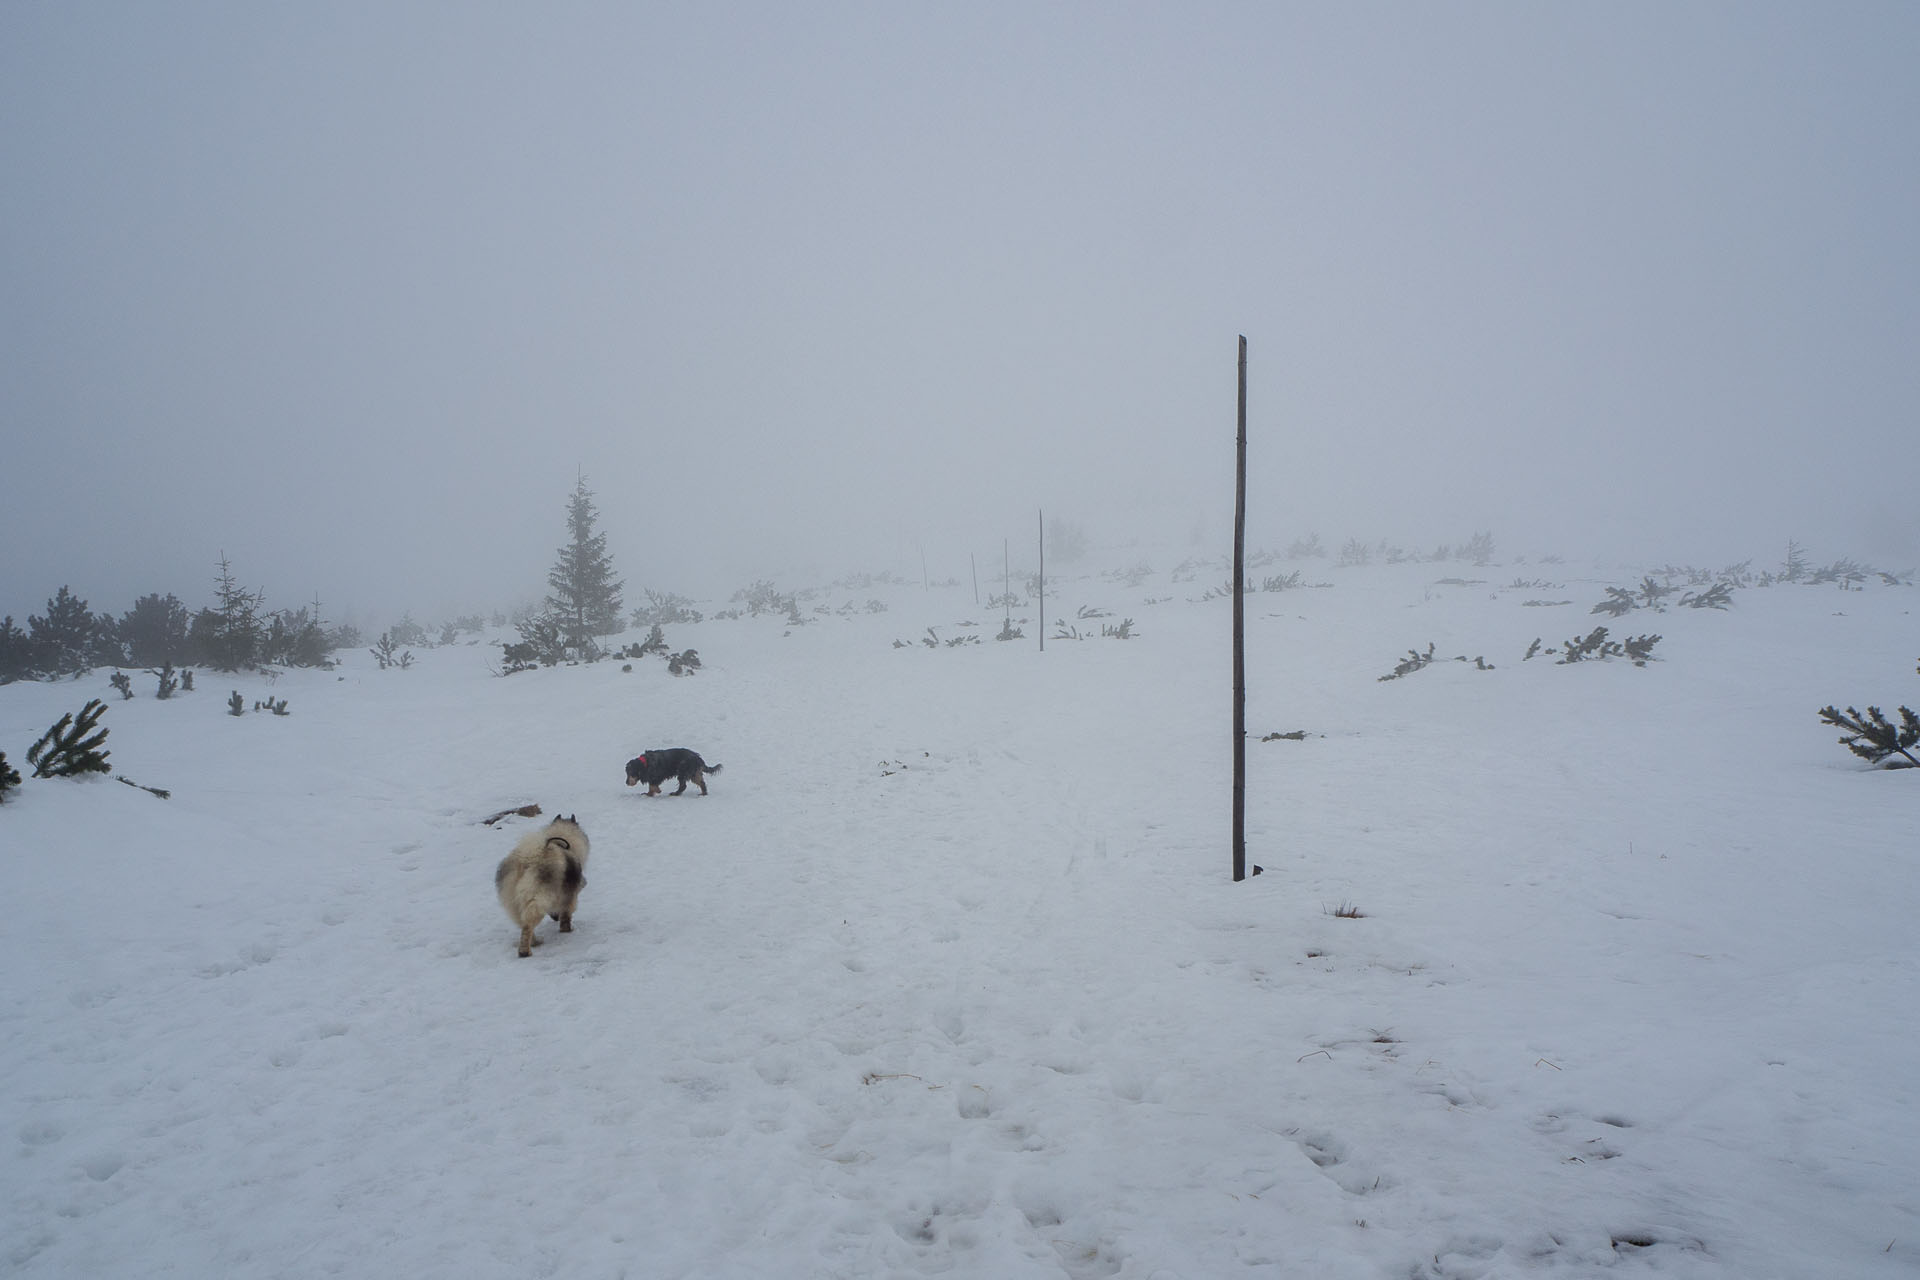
<point>72,746</point>
<point>1876,739</point>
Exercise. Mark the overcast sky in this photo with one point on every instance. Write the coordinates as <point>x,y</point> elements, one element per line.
<point>353,292</point>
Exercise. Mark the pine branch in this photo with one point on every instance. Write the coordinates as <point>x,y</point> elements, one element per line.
<point>66,750</point>
<point>1874,738</point>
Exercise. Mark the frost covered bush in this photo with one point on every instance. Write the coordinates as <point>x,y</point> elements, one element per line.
<point>664,607</point>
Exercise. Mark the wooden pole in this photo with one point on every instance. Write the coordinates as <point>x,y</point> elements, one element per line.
<point>1239,632</point>
<point>1043,581</point>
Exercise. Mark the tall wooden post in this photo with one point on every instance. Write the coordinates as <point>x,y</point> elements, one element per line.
<point>1043,581</point>
<point>1239,632</point>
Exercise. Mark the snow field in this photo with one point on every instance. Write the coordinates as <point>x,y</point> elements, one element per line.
<point>946,975</point>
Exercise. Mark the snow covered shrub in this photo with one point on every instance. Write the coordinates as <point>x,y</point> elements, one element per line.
<point>1651,593</point>
<point>407,631</point>
<point>1796,564</point>
<point>1354,554</point>
<point>236,705</point>
<point>684,663</point>
<point>296,638</point>
<point>1478,549</point>
<point>9,776</point>
<point>1595,646</point>
<point>1306,548</point>
<point>388,654</point>
<point>762,597</point>
<point>71,746</point>
<point>1719,596</point>
<point>1847,574</point>
<point>155,630</point>
<point>1874,738</point>
<point>1618,603</point>
<point>541,643</point>
<point>656,642</point>
<point>14,652</point>
<point>278,708</point>
<point>119,680</point>
<point>1416,661</point>
<point>663,607</point>
<point>62,642</point>
<point>1413,662</point>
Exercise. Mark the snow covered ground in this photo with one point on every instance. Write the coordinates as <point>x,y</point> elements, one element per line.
<point>948,976</point>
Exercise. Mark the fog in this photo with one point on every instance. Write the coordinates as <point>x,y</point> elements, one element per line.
<point>355,292</point>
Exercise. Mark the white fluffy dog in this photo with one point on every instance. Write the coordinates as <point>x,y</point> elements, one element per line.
<point>543,876</point>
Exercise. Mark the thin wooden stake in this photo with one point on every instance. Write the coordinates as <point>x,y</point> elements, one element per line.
<point>1043,581</point>
<point>1239,632</point>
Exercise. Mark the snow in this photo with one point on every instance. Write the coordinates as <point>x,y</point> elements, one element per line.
<point>948,975</point>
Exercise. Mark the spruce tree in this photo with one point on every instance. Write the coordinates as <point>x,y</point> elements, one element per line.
<point>585,597</point>
<point>155,630</point>
<point>9,776</point>
<point>62,642</point>
<point>15,652</point>
<point>229,635</point>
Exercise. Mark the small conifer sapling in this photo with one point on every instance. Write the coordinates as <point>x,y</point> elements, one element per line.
<point>1876,739</point>
<point>72,746</point>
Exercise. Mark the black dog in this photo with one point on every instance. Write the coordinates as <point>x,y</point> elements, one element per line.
<point>655,767</point>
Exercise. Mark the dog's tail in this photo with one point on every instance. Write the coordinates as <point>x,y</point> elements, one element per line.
<point>712,768</point>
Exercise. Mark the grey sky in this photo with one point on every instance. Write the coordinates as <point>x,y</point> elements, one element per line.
<point>354,291</point>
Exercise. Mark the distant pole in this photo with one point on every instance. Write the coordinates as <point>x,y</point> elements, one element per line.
<point>1239,632</point>
<point>1043,581</point>
<point>974,561</point>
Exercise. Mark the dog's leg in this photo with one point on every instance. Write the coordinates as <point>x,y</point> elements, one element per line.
<point>566,922</point>
<point>653,788</point>
<point>527,941</point>
<point>683,785</point>
<point>701,778</point>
